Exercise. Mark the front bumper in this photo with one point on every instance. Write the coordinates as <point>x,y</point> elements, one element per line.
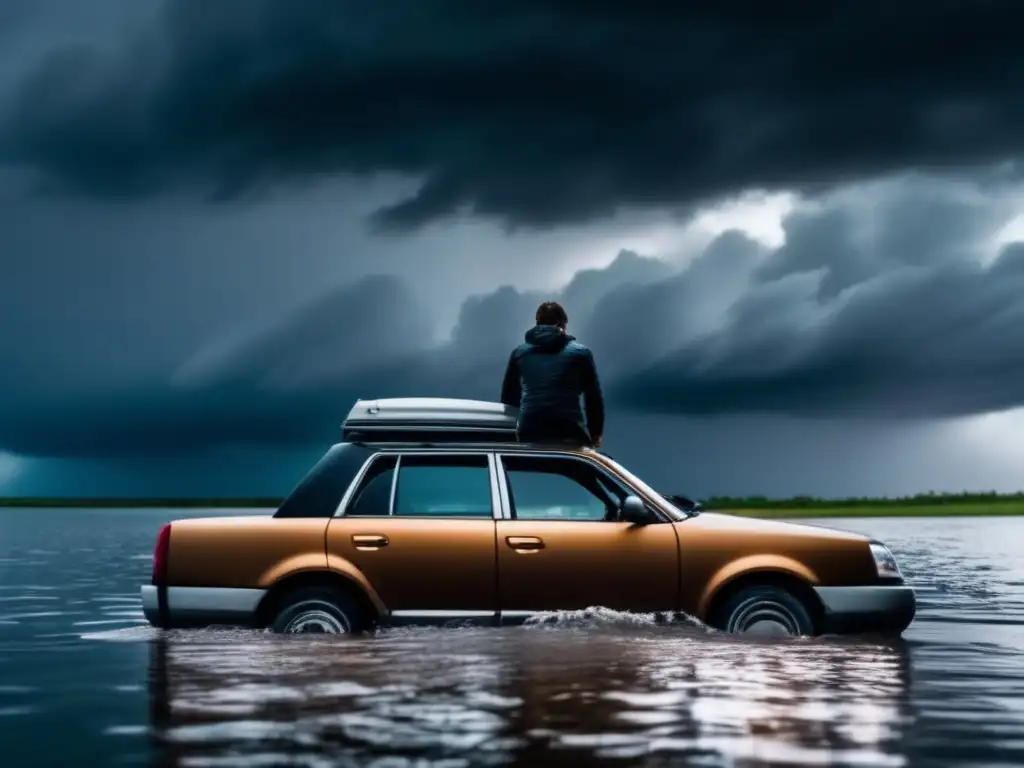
<point>885,610</point>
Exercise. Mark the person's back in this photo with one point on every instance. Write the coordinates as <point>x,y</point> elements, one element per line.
<point>545,379</point>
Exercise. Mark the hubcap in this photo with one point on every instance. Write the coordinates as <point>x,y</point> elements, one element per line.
<point>767,628</point>
<point>763,619</point>
<point>316,621</point>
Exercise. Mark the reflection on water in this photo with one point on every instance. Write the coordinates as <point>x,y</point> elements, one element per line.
<point>83,682</point>
<point>527,696</point>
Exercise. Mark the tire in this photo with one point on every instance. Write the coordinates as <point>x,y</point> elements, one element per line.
<point>765,611</point>
<point>317,610</point>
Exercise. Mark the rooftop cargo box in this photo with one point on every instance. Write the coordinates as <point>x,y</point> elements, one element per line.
<point>430,419</point>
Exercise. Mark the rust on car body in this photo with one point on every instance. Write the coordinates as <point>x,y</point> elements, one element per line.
<point>390,528</point>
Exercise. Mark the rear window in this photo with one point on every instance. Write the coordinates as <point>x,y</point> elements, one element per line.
<point>319,492</point>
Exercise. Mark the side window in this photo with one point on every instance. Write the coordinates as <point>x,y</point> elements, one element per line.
<point>443,486</point>
<point>374,494</point>
<point>554,488</point>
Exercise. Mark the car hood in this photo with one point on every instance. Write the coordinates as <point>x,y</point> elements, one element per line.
<point>723,522</point>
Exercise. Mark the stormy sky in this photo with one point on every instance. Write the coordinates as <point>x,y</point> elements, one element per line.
<point>792,233</point>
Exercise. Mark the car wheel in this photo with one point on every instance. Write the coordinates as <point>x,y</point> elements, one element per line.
<point>765,611</point>
<point>316,610</point>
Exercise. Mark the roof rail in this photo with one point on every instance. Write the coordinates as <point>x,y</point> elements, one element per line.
<point>430,419</point>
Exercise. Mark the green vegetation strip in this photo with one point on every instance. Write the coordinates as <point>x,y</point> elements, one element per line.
<point>1008,509</point>
<point>965,504</point>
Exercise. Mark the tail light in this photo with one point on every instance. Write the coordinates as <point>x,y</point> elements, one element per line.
<point>160,553</point>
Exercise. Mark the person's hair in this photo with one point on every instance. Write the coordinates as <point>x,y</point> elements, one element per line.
<point>551,313</point>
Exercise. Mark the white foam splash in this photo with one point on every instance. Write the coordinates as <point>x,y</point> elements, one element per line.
<point>599,616</point>
<point>138,634</point>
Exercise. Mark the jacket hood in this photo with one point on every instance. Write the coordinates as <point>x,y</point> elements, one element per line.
<point>548,337</point>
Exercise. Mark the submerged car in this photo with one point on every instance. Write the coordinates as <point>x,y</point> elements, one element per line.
<point>429,511</point>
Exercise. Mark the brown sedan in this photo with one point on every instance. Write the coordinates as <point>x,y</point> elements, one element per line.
<point>433,518</point>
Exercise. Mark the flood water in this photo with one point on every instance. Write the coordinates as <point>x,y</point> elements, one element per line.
<point>84,682</point>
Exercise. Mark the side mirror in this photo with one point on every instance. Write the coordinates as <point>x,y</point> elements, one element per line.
<point>634,511</point>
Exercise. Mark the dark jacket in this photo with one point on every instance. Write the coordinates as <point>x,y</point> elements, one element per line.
<point>545,378</point>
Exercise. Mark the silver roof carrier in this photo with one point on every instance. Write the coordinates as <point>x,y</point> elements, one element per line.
<point>430,419</point>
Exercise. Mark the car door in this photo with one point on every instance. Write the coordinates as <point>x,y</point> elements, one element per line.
<point>421,528</point>
<point>563,548</point>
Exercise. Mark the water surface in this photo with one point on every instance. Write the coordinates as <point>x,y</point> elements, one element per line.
<point>83,680</point>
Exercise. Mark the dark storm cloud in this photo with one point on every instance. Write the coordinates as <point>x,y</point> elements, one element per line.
<point>291,383</point>
<point>932,226</point>
<point>536,113</point>
<point>372,321</point>
<point>911,340</point>
<point>635,323</point>
<point>496,320</point>
<point>741,329</point>
<point>904,338</point>
<point>925,343</point>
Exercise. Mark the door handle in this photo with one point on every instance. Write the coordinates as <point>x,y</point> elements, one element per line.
<point>525,543</point>
<point>368,541</point>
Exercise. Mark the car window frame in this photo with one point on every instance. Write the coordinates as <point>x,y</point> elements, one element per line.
<point>603,474</point>
<point>357,482</point>
<point>664,511</point>
<point>605,497</point>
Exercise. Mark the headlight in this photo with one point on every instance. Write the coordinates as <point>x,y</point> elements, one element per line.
<point>885,563</point>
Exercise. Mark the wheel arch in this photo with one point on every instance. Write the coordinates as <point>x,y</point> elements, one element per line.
<point>278,592</point>
<point>799,582</point>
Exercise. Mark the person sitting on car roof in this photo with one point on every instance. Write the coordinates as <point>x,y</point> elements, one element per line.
<point>545,378</point>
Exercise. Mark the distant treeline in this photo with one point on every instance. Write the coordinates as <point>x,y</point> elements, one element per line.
<point>929,499</point>
<point>712,502</point>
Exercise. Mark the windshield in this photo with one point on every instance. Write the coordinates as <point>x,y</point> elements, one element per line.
<point>636,482</point>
